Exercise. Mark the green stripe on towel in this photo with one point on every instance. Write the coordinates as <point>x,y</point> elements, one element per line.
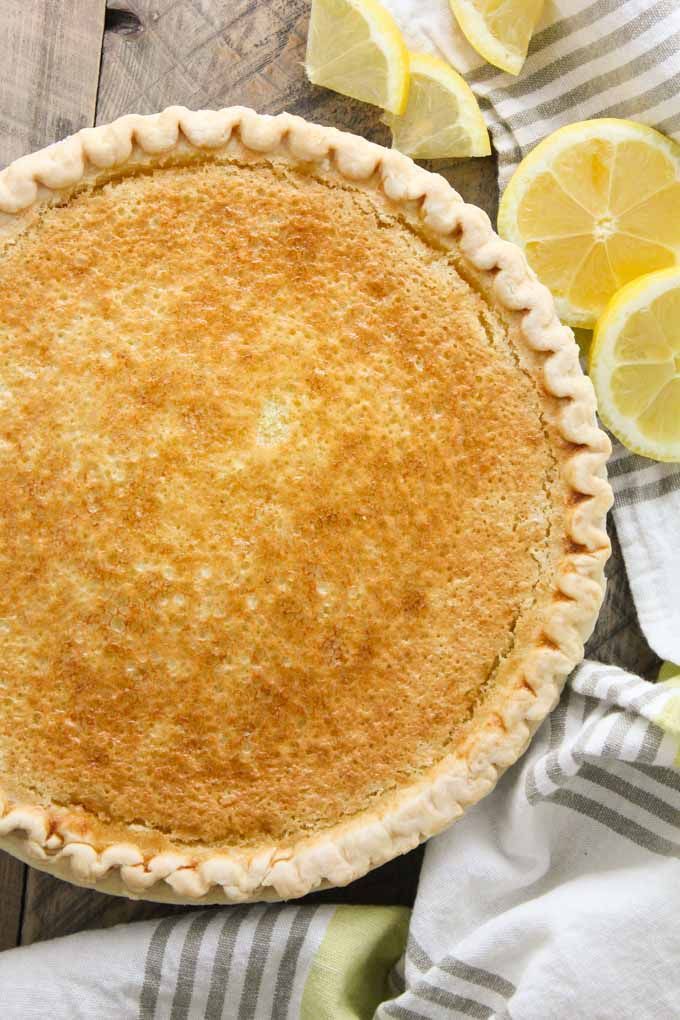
<point>349,975</point>
<point>669,717</point>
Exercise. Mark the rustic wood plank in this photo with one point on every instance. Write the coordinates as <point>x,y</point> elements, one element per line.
<point>617,638</point>
<point>55,908</point>
<point>50,52</point>
<point>12,881</point>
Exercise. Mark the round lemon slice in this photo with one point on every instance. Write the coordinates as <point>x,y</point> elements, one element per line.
<point>595,205</point>
<point>355,47</point>
<point>635,365</point>
<point>442,117</point>
<point>500,32</point>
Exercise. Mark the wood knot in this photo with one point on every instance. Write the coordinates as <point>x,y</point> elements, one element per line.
<point>123,22</point>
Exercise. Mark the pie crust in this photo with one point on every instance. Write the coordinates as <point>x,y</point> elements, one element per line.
<point>71,843</point>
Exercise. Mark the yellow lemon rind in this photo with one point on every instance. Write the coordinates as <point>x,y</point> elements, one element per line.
<point>541,159</point>
<point>388,39</point>
<point>634,296</point>
<point>436,70</point>
<point>489,46</point>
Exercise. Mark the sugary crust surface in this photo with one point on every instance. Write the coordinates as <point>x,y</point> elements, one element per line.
<point>540,624</point>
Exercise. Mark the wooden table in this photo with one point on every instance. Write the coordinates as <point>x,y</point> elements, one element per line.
<point>68,64</point>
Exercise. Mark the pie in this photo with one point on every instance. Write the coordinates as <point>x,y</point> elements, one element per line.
<point>302,506</point>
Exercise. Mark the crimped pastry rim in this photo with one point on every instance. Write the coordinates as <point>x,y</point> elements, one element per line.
<point>421,809</point>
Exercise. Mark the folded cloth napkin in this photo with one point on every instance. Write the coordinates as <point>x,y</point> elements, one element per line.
<point>559,894</point>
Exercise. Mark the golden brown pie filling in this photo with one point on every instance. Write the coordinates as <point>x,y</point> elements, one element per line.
<point>274,494</point>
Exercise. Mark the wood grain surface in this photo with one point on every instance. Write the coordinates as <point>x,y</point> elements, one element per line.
<point>69,63</point>
<point>13,876</point>
<point>50,51</point>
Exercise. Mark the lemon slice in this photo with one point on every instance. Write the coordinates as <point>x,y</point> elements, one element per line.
<point>354,47</point>
<point>442,117</point>
<point>635,365</point>
<point>500,30</point>
<point>594,206</point>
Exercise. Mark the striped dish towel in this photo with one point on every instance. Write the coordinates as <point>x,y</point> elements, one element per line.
<point>558,896</point>
<point>611,58</point>
<point>245,963</point>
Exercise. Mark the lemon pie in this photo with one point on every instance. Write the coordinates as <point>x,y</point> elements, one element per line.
<point>302,506</point>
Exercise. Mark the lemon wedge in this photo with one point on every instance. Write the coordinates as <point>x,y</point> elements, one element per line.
<point>442,117</point>
<point>355,47</point>
<point>635,365</point>
<point>595,205</point>
<point>500,30</point>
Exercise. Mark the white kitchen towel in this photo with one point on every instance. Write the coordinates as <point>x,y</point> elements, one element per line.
<point>240,962</point>
<point>559,894</point>
<point>647,515</point>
